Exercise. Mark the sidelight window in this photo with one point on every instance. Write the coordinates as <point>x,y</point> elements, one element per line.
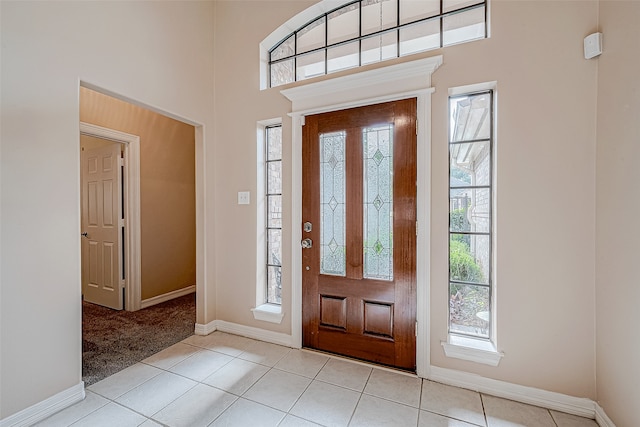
<point>471,135</point>
<point>273,211</point>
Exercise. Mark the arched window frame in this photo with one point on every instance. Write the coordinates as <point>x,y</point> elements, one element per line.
<point>445,18</point>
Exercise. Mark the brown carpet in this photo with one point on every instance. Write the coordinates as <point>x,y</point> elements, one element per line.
<point>113,340</point>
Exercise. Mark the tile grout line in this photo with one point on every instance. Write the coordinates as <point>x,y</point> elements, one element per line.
<point>484,411</point>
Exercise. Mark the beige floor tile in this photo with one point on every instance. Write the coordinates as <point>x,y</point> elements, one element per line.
<point>429,419</point>
<point>111,415</point>
<point>68,416</point>
<point>345,374</point>
<point>196,408</point>
<point>375,412</point>
<point>452,402</point>
<point>126,380</point>
<point>326,404</point>
<point>237,376</point>
<point>200,365</point>
<point>172,355</point>
<point>229,344</point>
<point>507,413</point>
<point>568,420</point>
<point>302,363</point>
<point>156,393</point>
<point>264,353</point>
<point>394,386</point>
<point>278,389</point>
<point>245,413</point>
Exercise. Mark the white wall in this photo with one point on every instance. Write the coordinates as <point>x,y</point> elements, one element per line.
<point>158,53</point>
<point>618,204</point>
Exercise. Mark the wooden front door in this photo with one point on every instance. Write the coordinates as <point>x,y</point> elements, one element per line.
<point>359,233</point>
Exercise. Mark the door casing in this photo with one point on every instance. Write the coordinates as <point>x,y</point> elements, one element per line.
<point>394,82</point>
<point>132,208</point>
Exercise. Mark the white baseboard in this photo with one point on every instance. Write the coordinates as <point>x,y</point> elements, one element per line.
<point>245,331</point>
<point>602,419</point>
<point>547,399</point>
<point>255,333</point>
<point>45,408</point>
<point>168,296</point>
<point>205,329</point>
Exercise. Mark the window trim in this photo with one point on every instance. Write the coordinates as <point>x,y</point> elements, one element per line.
<point>263,311</point>
<point>467,347</point>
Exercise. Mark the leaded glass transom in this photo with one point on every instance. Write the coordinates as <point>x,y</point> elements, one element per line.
<point>363,32</point>
<point>332,203</point>
<point>377,145</point>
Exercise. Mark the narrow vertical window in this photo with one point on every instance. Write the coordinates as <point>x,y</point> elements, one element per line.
<point>378,202</point>
<point>273,203</point>
<point>470,214</point>
<point>333,203</point>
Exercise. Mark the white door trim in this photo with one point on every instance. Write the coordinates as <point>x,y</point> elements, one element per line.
<point>133,292</point>
<point>398,81</point>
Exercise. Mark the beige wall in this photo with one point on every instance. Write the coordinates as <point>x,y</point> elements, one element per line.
<point>167,189</point>
<point>545,192</point>
<point>239,106</point>
<point>157,53</point>
<point>545,221</point>
<point>618,204</point>
<point>163,55</point>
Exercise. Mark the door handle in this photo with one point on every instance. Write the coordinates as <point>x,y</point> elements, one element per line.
<point>85,234</point>
<point>306,243</point>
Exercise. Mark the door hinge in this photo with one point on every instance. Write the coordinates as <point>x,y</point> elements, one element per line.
<point>121,222</point>
<point>416,228</point>
<point>120,161</point>
<point>416,127</point>
<point>416,328</point>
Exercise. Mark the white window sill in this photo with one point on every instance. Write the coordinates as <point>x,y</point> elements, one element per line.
<point>268,313</point>
<point>478,351</point>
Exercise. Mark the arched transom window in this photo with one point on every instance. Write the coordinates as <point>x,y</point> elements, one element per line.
<point>363,32</point>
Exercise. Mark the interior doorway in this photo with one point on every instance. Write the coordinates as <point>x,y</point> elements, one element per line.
<point>146,199</point>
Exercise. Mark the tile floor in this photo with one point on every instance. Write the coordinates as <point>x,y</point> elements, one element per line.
<point>227,380</point>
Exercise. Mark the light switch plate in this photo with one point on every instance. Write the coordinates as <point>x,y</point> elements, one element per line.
<point>244,197</point>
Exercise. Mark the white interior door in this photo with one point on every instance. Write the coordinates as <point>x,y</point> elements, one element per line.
<point>102,281</point>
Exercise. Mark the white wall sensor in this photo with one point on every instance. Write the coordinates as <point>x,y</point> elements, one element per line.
<point>592,45</point>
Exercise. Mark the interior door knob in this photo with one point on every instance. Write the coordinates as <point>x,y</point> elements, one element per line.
<point>85,234</point>
<point>306,243</point>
